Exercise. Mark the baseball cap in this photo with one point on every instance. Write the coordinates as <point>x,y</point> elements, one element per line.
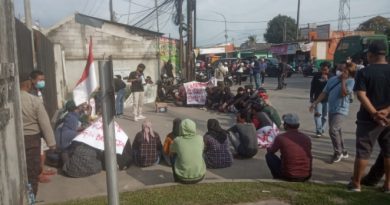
<point>377,47</point>
<point>291,119</point>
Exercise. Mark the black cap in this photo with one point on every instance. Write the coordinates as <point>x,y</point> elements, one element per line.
<point>23,76</point>
<point>377,47</point>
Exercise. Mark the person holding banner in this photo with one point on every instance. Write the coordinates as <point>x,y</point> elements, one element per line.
<point>147,147</point>
<point>137,80</point>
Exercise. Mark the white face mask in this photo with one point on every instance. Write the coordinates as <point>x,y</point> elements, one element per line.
<point>338,73</point>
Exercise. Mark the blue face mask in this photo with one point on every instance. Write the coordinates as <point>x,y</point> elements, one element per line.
<point>40,84</point>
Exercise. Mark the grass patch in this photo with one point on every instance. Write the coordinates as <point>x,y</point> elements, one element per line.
<point>243,192</point>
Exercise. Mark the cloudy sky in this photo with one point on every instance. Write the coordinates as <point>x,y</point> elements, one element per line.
<point>244,17</point>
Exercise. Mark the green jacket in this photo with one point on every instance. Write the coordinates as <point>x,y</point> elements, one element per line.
<point>189,164</point>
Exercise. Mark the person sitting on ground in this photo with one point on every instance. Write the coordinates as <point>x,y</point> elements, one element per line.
<point>226,96</point>
<point>243,138</point>
<point>234,105</point>
<point>70,127</point>
<point>295,162</point>
<point>147,146</point>
<point>260,106</point>
<point>216,152</point>
<point>169,140</point>
<point>188,165</point>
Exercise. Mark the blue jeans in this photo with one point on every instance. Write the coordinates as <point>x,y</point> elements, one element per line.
<point>320,116</point>
<point>257,80</point>
<point>119,101</point>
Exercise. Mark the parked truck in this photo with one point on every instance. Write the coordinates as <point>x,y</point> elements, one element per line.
<point>354,47</point>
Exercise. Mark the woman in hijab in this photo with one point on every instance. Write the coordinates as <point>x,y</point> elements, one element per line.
<point>169,139</point>
<point>147,146</point>
<point>216,152</point>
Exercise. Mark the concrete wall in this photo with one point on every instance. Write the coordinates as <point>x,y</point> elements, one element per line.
<point>13,176</point>
<point>127,48</point>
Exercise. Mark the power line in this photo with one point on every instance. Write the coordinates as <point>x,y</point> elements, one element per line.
<point>355,17</point>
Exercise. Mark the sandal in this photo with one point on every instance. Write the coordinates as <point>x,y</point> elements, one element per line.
<point>44,179</point>
<point>49,172</point>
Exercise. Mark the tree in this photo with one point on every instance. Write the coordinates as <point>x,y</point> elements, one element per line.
<point>252,40</point>
<point>275,29</point>
<point>378,24</point>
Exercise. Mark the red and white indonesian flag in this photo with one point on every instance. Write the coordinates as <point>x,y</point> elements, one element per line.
<point>88,82</point>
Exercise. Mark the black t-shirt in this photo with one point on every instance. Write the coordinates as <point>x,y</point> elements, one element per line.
<point>136,85</point>
<point>118,84</point>
<point>375,80</point>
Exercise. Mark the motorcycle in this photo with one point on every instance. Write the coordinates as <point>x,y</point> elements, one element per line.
<point>167,90</point>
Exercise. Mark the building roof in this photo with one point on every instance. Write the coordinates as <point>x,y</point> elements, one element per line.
<point>98,22</point>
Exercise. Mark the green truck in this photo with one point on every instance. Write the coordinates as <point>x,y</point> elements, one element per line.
<point>354,46</point>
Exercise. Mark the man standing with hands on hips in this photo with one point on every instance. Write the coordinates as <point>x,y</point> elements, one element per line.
<point>137,80</point>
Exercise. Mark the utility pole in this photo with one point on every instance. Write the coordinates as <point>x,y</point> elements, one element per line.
<point>190,70</point>
<point>28,22</point>
<point>181,43</point>
<point>128,16</point>
<point>285,31</point>
<point>194,23</point>
<point>298,12</point>
<point>112,15</point>
<point>158,40</point>
<point>226,36</point>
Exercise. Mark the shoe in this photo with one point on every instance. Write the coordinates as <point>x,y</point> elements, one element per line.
<point>49,172</point>
<point>318,134</point>
<point>344,155</point>
<point>141,117</point>
<point>136,119</point>
<point>352,188</point>
<point>336,157</point>
<point>44,178</point>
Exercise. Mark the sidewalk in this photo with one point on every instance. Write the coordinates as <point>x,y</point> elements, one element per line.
<point>293,99</point>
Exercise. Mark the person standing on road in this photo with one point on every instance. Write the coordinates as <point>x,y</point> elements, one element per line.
<point>239,72</point>
<point>219,75</point>
<point>119,88</point>
<point>36,124</point>
<point>282,68</point>
<point>295,162</point>
<point>263,68</point>
<point>317,86</point>
<point>338,89</point>
<point>137,80</point>
<point>373,119</point>
<point>256,73</point>
<point>168,68</point>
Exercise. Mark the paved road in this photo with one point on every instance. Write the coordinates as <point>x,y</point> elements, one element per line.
<point>293,99</point>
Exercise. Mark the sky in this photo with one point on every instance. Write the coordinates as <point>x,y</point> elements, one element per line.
<point>243,17</point>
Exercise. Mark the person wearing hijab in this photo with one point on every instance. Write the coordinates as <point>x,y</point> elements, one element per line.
<point>216,152</point>
<point>169,139</point>
<point>147,146</point>
<point>188,165</point>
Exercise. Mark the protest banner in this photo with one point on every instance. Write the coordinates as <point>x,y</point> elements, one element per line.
<point>93,136</point>
<point>196,92</point>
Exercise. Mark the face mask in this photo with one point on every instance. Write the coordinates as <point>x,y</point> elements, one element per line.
<point>338,73</point>
<point>40,84</point>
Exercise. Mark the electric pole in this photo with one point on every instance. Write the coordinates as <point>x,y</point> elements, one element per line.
<point>128,16</point>
<point>194,23</point>
<point>285,31</point>
<point>112,15</point>
<point>28,22</point>
<point>190,70</point>
<point>344,15</point>
<point>158,40</point>
<point>298,11</point>
<point>181,43</point>
<point>226,36</point>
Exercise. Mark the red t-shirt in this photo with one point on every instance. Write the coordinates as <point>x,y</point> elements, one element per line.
<point>295,149</point>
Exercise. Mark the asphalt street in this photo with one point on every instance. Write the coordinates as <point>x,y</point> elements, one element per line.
<point>295,98</point>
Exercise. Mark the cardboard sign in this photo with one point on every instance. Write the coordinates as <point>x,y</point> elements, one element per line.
<point>93,136</point>
<point>196,92</point>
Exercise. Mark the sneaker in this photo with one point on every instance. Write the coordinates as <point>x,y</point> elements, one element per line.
<point>336,157</point>
<point>352,188</point>
<point>136,119</point>
<point>344,155</point>
<point>141,117</point>
<point>318,134</point>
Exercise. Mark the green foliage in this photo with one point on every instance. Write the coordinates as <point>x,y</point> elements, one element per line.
<point>378,24</point>
<point>245,192</point>
<point>275,29</point>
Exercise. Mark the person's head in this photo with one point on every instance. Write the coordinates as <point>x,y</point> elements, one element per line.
<point>37,79</point>
<point>141,67</point>
<point>376,52</point>
<point>290,121</point>
<point>213,124</point>
<point>25,81</point>
<point>325,67</point>
<point>242,116</point>
<point>169,61</point>
<point>340,67</point>
<point>240,90</point>
<point>70,106</point>
<point>262,60</point>
<point>147,130</point>
<point>226,90</point>
<point>187,128</point>
<point>176,127</point>
<point>349,70</point>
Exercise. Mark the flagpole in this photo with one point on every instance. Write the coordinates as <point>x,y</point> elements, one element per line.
<point>108,105</point>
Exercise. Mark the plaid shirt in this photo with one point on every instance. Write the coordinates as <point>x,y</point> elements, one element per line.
<point>146,153</point>
<point>217,155</point>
